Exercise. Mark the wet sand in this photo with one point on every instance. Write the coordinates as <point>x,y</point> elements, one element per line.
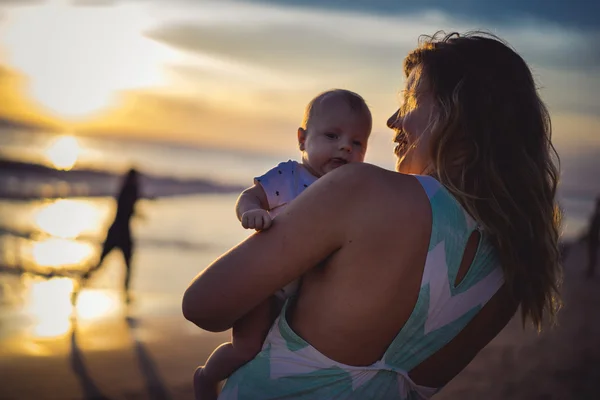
<point>154,357</point>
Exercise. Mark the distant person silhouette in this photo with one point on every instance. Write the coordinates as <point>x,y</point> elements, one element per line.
<point>593,237</point>
<point>119,233</point>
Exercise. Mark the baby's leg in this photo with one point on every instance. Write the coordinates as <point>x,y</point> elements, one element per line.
<point>248,336</point>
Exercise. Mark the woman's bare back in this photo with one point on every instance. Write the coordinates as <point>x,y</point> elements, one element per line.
<point>379,272</point>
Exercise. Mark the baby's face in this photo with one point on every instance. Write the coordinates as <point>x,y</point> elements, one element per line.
<point>336,136</point>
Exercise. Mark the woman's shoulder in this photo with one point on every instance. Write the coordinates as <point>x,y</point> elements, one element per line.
<point>365,186</point>
<point>368,180</point>
<point>371,176</point>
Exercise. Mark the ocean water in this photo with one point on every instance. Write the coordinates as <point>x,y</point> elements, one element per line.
<point>176,235</point>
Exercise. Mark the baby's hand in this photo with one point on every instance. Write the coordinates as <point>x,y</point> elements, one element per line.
<point>258,219</point>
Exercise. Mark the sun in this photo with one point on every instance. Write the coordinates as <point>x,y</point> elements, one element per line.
<point>78,59</point>
<point>63,152</point>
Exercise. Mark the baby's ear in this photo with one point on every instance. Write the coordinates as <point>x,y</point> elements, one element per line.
<point>301,138</point>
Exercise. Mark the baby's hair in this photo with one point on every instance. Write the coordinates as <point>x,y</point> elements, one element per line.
<point>353,100</point>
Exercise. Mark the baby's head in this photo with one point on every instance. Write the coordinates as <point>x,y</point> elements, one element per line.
<point>335,131</point>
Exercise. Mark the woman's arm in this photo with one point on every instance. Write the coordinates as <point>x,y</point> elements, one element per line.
<point>311,228</point>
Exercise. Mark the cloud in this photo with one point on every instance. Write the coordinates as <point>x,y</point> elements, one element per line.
<point>574,13</point>
<point>94,3</point>
<point>309,50</point>
<point>552,45</point>
<point>569,91</point>
<point>297,37</point>
<point>19,2</point>
<point>184,120</point>
<point>109,3</point>
<point>15,105</point>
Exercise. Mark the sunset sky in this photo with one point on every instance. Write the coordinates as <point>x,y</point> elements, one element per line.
<point>238,74</point>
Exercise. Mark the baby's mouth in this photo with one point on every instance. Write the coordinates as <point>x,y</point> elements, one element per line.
<point>338,160</point>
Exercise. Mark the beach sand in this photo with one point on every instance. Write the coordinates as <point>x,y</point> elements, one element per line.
<point>154,358</point>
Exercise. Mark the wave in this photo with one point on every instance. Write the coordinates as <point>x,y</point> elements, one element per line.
<point>27,181</point>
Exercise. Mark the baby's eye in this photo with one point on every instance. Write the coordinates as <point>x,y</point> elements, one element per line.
<point>357,143</point>
<point>331,135</point>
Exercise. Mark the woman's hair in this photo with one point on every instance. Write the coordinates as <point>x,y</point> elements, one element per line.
<point>491,148</point>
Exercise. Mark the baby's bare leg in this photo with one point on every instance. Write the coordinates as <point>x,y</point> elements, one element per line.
<point>248,335</point>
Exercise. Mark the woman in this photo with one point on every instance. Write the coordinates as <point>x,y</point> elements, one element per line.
<point>408,275</point>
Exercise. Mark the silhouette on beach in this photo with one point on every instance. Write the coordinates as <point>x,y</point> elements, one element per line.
<point>119,233</point>
<point>593,237</point>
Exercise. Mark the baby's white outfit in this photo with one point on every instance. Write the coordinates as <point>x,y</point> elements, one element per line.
<point>283,184</point>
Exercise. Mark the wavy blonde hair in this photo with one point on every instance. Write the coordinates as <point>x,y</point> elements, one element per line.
<point>491,149</point>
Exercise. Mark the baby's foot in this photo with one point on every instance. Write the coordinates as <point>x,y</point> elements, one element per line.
<point>204,389</point>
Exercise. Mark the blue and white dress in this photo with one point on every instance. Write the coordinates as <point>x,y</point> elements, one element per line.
<point>290,368</point>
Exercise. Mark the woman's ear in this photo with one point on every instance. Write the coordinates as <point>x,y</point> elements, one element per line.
<point>301,138</point>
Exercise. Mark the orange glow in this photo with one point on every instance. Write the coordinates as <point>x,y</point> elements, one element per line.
<point>74,63</point>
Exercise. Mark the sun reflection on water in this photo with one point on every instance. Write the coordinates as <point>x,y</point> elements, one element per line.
<point>50,307</point>
<point>56,252</point>
<point>97,304</point>
<point>58,245</point>
<point>51,310</point>
<point>63,220</point>
<point>68,219</point>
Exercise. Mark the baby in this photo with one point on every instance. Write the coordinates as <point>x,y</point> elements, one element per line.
<point>334,132</point>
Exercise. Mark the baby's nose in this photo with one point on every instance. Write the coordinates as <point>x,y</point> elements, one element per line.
<point>345,146</point>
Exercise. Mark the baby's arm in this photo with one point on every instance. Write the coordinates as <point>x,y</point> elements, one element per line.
<point>251,208</point>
